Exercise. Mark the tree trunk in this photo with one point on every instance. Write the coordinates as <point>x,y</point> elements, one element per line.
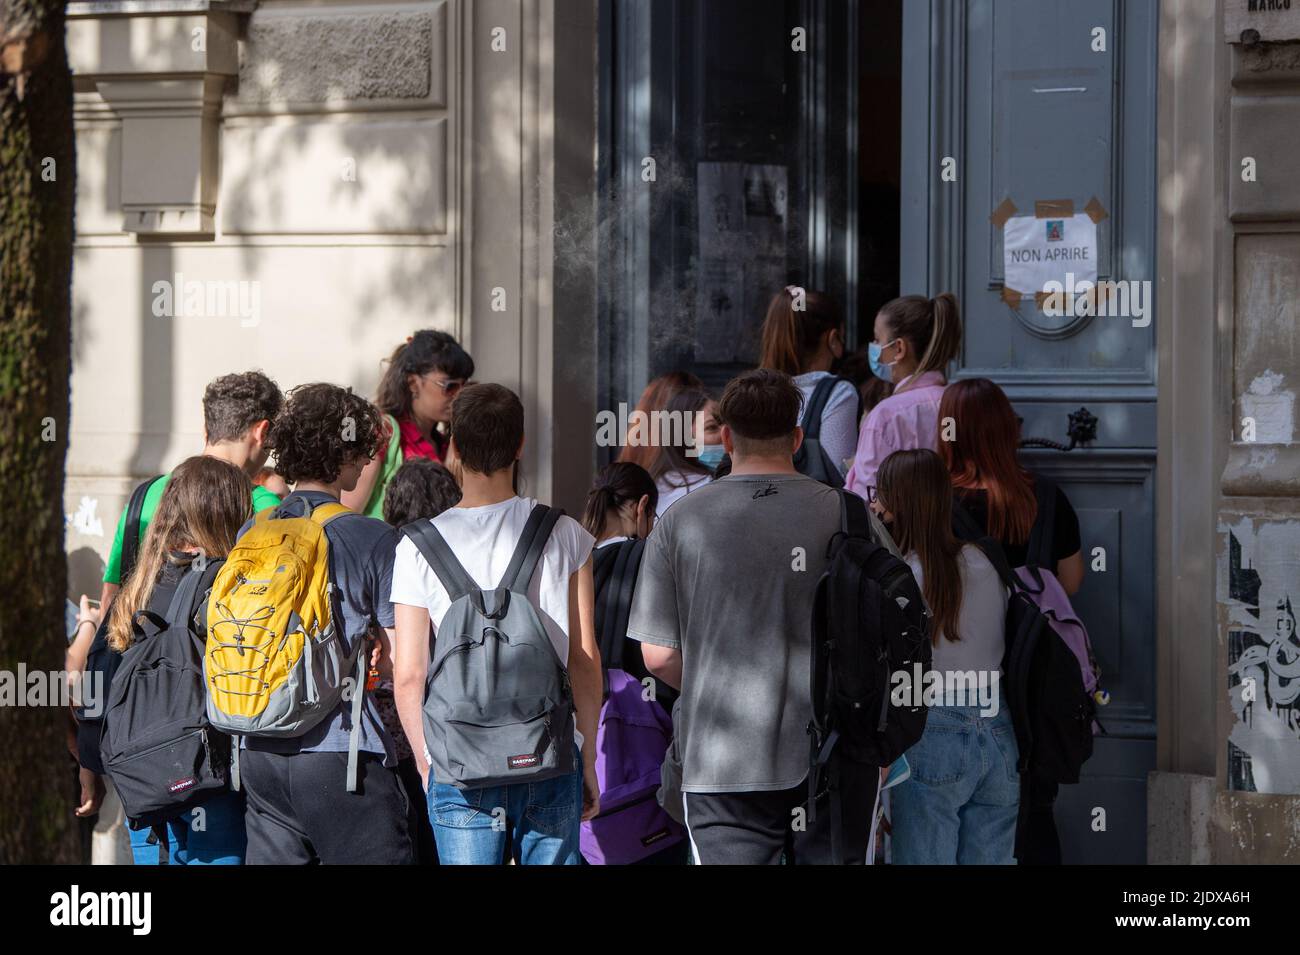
<point>37,174</point>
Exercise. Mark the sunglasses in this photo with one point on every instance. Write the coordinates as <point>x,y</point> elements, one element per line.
<point>450,386</point>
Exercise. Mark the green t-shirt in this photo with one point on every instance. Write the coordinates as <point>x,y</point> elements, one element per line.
<point>262,499</point>
<point>392,461</point>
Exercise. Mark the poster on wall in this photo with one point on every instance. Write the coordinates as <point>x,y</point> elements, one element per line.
<point>742,211</point>
<point>1259,583</point>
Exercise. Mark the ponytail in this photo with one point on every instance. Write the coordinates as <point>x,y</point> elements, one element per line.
<point>945,335</point>
<point>932,327</point>
<point>790,335</point>
<point>616,484</point>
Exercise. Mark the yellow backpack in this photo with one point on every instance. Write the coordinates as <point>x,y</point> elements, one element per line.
<point>274,664</point>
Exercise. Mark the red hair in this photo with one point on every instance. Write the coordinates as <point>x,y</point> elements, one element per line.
<point>656,396</point>
<point>982,454</point>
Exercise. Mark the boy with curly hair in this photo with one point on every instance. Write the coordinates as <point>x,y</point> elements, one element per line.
<point>298,806</point>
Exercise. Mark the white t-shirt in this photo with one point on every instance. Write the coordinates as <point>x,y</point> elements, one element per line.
<point>483,540</point>
<point>675,485</point>
<point>981,621</point>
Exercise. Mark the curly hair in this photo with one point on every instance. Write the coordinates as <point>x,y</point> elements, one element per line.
<point>234,403</point>
<point>321,428</point>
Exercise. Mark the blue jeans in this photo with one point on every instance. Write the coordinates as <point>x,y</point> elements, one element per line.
<point>961,801</point>
<point>215,837</point>
<point>544,820</point>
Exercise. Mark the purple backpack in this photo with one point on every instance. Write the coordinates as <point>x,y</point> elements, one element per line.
<point>1039,583</point>
<point>633,736</point>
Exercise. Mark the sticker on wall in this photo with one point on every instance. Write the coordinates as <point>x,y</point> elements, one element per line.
<point>1259,590</point>
<point>84,521</point>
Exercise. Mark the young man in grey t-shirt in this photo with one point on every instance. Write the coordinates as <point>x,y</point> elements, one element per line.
<point>723,609</point>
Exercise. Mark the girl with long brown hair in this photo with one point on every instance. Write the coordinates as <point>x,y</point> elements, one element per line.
<point>915,339</point>
<point>994,488</point>
<point>959,806</point>
<point>803,336</point>
<point>202,509</point>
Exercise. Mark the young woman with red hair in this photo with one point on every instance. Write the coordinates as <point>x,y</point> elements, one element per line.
<point>999,494</point>
<point>992,485</point>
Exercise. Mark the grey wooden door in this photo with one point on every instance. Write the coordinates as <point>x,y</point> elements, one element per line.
<point>1014,93</point>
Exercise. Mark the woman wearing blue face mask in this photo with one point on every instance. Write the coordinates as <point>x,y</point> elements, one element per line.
<point>803,336</point>
<point>915,339</point>
<point>679,469</point>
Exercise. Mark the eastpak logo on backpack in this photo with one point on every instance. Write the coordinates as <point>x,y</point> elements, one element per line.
<point>498,707</point>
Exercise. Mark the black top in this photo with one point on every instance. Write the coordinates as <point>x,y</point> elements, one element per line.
<point>1065,527</point>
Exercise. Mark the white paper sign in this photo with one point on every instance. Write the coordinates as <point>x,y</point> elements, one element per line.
<point>1037,251</point>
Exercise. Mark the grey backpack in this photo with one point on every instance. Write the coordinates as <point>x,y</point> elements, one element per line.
<point>498,708</point>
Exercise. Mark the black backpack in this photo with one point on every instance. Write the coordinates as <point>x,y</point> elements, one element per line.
<point>101,659</point>
<point>162,754</point>
<point>869,622</point>
<point>811,458</point>
<point>1050,708</point>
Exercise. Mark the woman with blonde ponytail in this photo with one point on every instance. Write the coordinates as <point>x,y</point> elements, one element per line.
<point>915,339</point>
<point>803,336</point>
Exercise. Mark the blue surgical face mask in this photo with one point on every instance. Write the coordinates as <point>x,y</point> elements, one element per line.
<point>711,455</point>
<point>879,368</point>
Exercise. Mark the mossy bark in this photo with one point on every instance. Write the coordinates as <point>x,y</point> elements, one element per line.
<point>37,173</point>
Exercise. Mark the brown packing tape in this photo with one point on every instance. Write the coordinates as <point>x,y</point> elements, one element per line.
<point>1053,208</point>
<point>1005,210</point>
<point>1039,298</point>
<point>1094,210</point>
<point>1011,297</point>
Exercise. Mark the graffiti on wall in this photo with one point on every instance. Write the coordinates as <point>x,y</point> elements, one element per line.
<point>1259,589</point>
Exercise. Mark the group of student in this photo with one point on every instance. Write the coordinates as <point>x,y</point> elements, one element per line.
<point>535,683</point>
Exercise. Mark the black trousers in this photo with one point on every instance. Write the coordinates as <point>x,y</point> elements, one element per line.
<point>759,828</point>
<point>299,812</point>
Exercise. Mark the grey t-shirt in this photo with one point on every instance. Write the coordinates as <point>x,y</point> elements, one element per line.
<point>728,577</point>
<point>361,555</point>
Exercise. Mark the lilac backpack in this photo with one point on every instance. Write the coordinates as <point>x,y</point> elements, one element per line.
<point>1039,583</point>
<point>634,732</point>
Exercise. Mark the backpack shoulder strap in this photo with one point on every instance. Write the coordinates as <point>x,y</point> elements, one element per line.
<point>322,514</point>
<point>817,401</point>
<point>1040,537</point>
<point>131,533</point>
<point>964,523</point>
<point>433,546</point>
<point>993,551</point>
<point>611,655</point>
<point>854,520</point>
<point>528,552</point>
<point>626,581</point>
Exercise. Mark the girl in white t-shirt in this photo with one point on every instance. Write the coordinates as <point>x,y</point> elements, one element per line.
<point>959,805</point>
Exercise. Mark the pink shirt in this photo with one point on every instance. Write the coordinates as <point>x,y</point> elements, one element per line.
<point>907,419</point>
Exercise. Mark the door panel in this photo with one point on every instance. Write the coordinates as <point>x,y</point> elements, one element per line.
<point>1015,93</point>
